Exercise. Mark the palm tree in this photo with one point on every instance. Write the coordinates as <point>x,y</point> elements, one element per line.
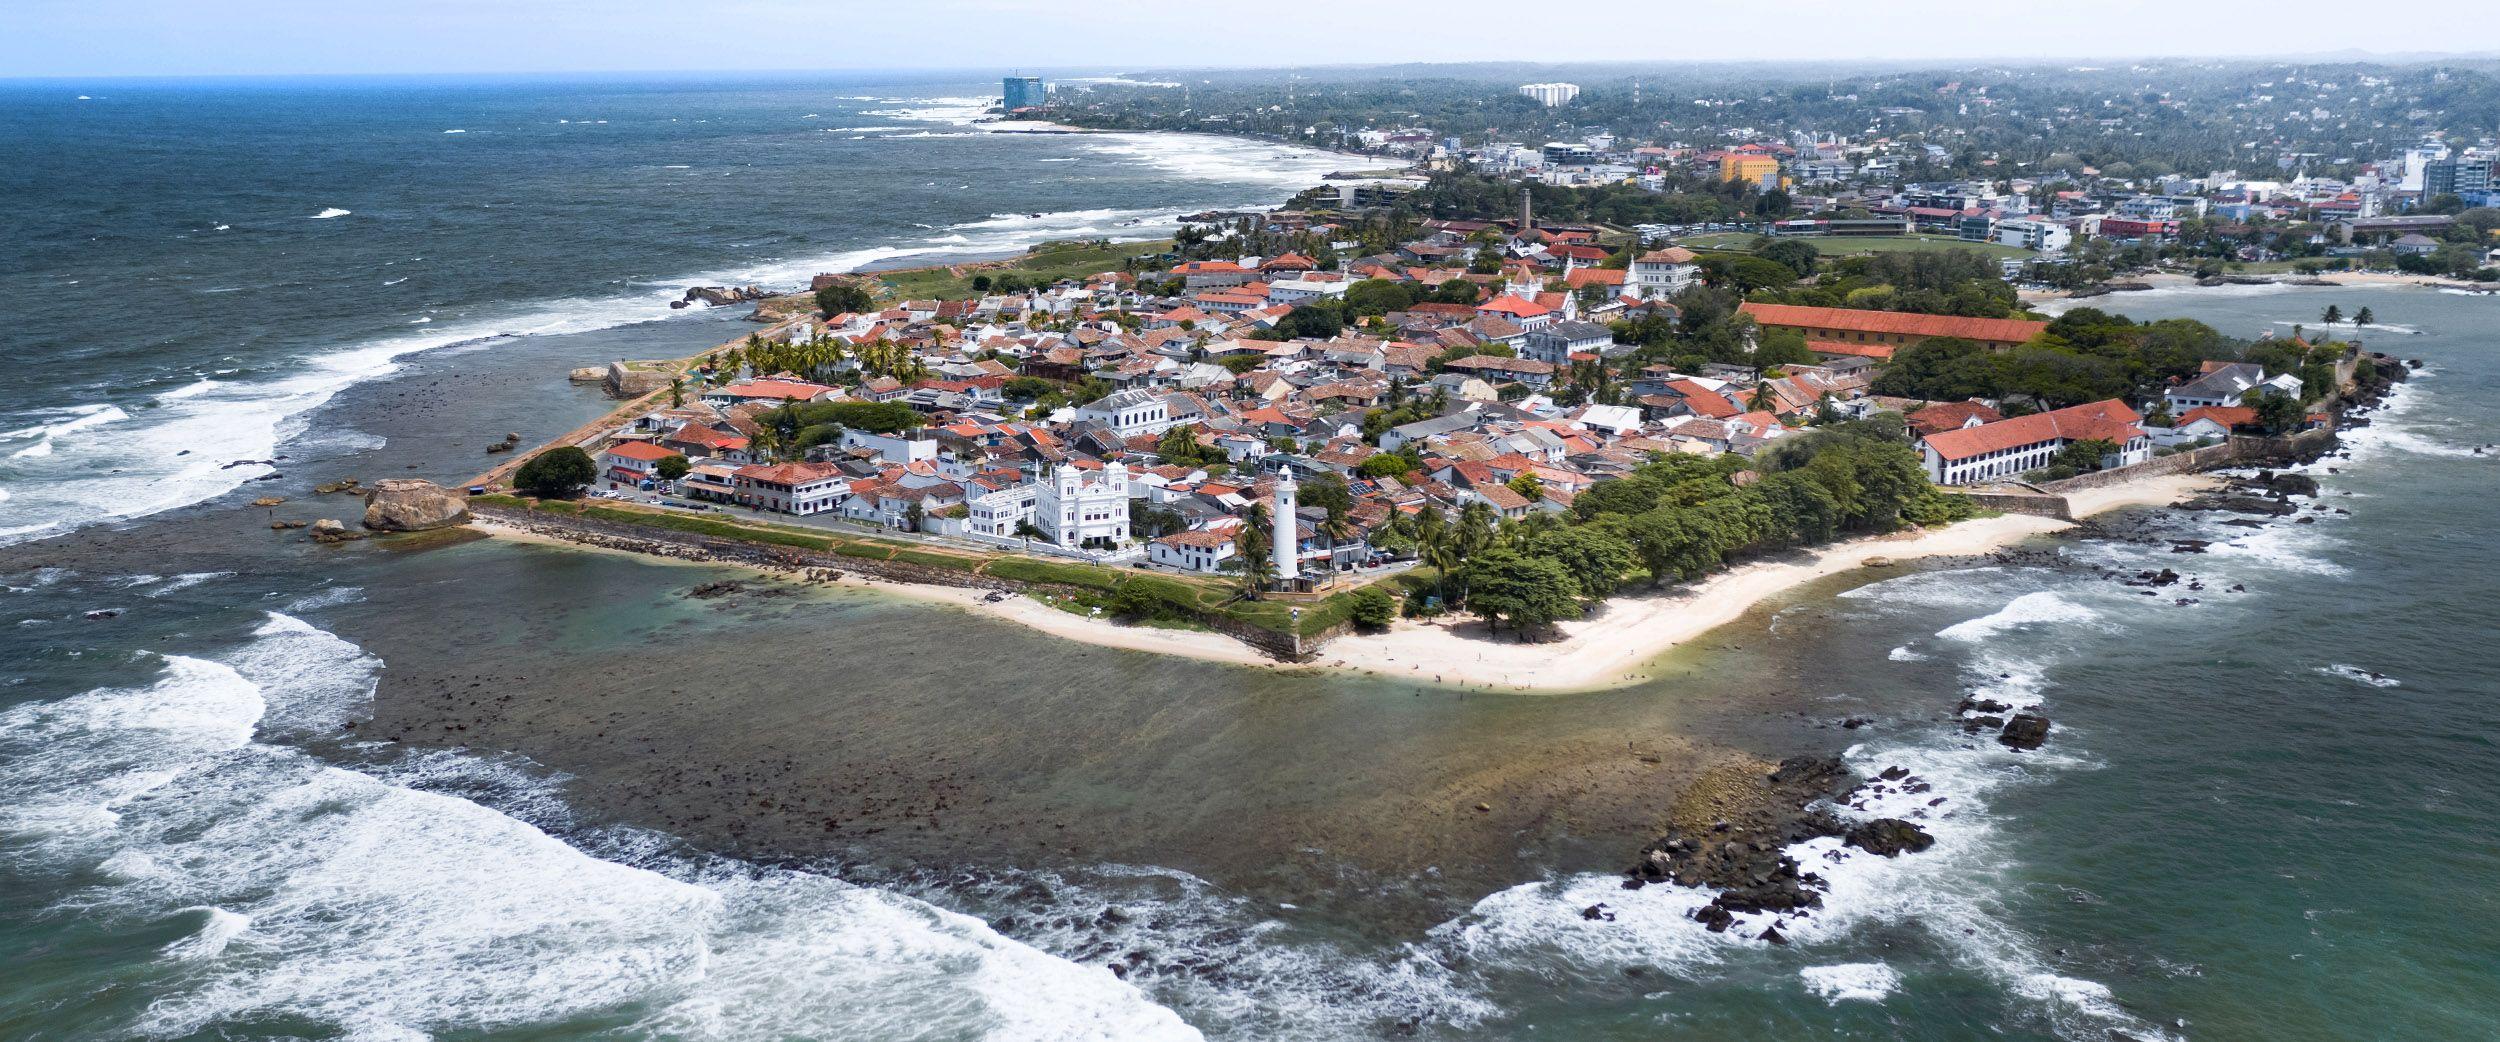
<point>2363,317</point>
<point>2333,315</point>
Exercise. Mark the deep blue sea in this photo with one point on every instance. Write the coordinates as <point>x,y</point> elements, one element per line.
<point>195,265</point>
<point>2265,814</point>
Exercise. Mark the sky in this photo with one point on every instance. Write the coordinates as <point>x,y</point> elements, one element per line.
<point>73,38</point>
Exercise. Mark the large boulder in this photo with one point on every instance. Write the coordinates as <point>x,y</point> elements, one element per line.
<point>412,505</point>
<point>2024,731</point>
<point>1890,837</point>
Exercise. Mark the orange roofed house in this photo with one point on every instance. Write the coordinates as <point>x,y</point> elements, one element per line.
<point>2007,449</point>
<point>1877,334</point>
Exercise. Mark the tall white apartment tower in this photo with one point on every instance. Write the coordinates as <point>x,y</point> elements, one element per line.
<point>1288,542</point>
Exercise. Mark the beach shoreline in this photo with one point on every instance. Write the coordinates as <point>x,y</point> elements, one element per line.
<point>2175,281</point>
<point>1609,649</point>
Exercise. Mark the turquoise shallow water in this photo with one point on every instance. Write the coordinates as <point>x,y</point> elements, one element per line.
<point>2237,831</point>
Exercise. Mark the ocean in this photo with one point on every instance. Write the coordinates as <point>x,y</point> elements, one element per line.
<point>499,791</point>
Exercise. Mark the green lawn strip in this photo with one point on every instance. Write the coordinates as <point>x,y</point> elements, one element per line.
<point>1047,262</point>
<point>1843,245</point>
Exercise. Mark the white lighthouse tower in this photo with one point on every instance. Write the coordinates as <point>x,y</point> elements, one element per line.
<point>1288,542</point>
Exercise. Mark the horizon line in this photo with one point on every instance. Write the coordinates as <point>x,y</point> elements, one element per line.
<point>2347,56</point>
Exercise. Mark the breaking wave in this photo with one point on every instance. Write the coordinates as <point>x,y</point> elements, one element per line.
<point>338,897</point>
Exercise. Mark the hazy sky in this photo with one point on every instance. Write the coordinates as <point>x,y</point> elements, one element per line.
<point>246,37</point>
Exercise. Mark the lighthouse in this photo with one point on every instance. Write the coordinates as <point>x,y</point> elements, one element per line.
<point>1288,543</point>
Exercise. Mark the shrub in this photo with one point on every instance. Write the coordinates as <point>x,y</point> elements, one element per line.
<point>558,473</point>
<point>1373,609</point>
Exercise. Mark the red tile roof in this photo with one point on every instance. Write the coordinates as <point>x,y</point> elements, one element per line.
<point>2109,421</point>
<point>2010,330</point>
<point>639,450</point>
<point>2230,416</point>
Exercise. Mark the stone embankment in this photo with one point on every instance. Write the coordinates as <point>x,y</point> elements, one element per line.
<point>687,546</point>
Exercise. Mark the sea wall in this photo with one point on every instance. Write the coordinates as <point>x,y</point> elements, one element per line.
<point>2188,462</point>
<point>690,546</point>
<point>2024,503</point>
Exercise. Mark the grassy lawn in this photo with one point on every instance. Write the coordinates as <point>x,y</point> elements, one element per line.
<point>1845,245</point>
<point>1206,597</point>
<point>1048,262</point>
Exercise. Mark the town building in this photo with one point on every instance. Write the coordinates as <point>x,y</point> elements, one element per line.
<point>1550,95</point>
<point>1080,508</point>
<point>2008,449</point>
<point>1878,334</point>
<point>1662,273</point>
<point>1129,413</point>
<point>2226,384</point>
<point>1024,92</point>
<point>1193,551</point>
<point>790,488</point>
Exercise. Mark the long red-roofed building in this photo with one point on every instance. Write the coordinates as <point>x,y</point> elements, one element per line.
<point>2007,449</point>
<point>1829,329</point>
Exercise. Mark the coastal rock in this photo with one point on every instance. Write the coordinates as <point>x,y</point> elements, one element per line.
<point>333,530</point>
<point>2239,504</point>
<point>413,505</point>
<point>2278,484</point>
<point>716,296</point>
<point>1889,837</point>
<point>268,501</point>
<point>2025,731</point>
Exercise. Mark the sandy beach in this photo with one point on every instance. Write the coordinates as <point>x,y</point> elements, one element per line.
<point>2175,281</point>
<point>1609,648</point>
<point>1604,650</point>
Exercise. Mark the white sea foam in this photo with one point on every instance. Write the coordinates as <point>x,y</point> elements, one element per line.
<point>1851,981</point>
<point>185,581</point>
<point>2359,675</point>
<point>190,390</point>
<point>379,911</point>
<point>1904,653</point>
<point>1228,960</point>
<point>1202,158</point>
<point>1950,891</point>
<point>2042,608</point>
<point>218,929</point>
<point>330,213</point>
<point>329,598</point>
<point>455,132</point>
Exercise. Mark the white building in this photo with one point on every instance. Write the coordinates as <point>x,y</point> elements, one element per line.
<point>2008,449</point>
<point>912,446</point>
<point>2227,385</point>
<point>1551,95</point>
<point>2035,233</point>
<point>1080,508</point>
<point>790,488</point>
<point>1194,551</point>
<point>1000,514</point>
<point>1130,413</point>
<point>1299,291</point>
<point>1661,273</point>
